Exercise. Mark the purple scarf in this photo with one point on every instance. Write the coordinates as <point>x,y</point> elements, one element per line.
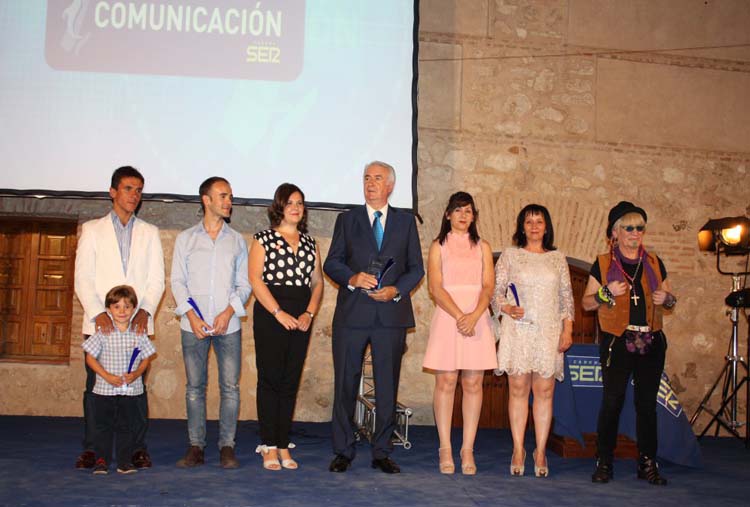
<point>614,273</point>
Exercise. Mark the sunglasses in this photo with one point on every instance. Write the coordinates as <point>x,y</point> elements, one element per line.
<point>631,228</point>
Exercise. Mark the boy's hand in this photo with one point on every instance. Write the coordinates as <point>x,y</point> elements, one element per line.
<point>131,377</point>
<point>114,380</point>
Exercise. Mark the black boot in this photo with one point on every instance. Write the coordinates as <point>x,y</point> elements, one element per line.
<point>648,469</point>
<point>604,472</point>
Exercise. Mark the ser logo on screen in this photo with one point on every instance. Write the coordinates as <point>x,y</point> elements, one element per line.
<point>232,39</point>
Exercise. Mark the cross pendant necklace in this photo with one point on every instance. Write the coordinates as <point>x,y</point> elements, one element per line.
<point>634,296</point>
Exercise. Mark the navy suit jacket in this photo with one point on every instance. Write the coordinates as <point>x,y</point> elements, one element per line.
<point>352,247</point>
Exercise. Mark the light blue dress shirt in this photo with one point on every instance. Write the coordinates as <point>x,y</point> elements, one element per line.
<point>124,234</point>
<point>212,272</point>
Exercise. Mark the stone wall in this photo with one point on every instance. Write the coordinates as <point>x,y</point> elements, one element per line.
<point>575,104</point>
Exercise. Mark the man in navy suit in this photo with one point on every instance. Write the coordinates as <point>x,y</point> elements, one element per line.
<point>371,313</point>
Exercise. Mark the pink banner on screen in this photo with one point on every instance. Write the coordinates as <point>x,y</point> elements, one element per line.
<point>235,39</point>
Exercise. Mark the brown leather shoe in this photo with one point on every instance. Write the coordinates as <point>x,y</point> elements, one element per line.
<point>141,459</point>
<point>86,460</point>
<point>193,457</point>
<point>227,458</point>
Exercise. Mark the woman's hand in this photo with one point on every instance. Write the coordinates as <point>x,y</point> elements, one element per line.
<point>286,320</point>
<point>566,340</point>
<point>465,324</point>
<point>515,312</point>
<point>304,321</point>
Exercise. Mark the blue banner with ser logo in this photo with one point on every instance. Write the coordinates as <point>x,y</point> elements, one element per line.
<point>578,397</point>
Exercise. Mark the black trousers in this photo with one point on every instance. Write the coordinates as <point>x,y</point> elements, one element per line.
<point>279,358</point>
<point>115,416</point>
<point>646,371</point>
<point>387,347</point>
<point>89,419</point>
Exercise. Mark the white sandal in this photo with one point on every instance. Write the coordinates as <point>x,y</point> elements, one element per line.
<point>268,463</point>
<point>289,464</point>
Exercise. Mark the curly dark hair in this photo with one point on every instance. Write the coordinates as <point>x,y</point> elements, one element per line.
<point>280,198</point>
<point>459,200</point>
<point>519,237</point>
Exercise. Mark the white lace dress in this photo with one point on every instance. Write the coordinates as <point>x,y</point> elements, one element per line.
<point>542,281</point>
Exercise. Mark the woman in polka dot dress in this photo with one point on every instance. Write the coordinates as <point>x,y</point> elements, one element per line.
<point>285,272</point>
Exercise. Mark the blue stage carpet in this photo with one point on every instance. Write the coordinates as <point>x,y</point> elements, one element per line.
<point>38,454</point>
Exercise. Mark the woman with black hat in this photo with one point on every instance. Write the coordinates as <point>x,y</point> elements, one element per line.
<point>628,288</point>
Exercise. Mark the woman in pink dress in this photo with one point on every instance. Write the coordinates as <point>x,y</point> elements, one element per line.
<point>461,280</point>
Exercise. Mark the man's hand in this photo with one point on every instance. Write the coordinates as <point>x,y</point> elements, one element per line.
<point>385,294</point>
<point>363,280</point>
<point>114,380</point>
<point>618,288</point>
<point>221,322</point>
<point>199,327</point>
<point>103,323</point>
<point>139,324</point>
<point>660,296</point>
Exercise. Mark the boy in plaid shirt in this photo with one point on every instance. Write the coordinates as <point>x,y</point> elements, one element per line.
<point>118,385</point>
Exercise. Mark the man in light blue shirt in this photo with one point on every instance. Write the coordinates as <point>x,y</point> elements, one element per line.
<point>210,287</point>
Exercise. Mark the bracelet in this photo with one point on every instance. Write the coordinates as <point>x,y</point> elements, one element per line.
<point>277,310</point>
<point>605,296</point>
<point>670,301</point>
<point>311,314</point>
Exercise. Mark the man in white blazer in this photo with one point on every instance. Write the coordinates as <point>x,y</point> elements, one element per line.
<point>118,249</point>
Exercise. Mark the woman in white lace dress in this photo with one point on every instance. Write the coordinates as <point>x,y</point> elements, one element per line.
<point>533,294</point>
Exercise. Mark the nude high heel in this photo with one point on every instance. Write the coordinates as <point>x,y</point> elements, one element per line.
<point>518,470</point>
<point>540,471</point>
<point>446,460</point>
<point>468,466</point>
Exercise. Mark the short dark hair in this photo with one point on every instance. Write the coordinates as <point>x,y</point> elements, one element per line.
<point>206,186</point>
<point>115,294</point>
<point>459,200</point>
<point>280,198</point>
<point>519,237</point>
<point>125,171</point>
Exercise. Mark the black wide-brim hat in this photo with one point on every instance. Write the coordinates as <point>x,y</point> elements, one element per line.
<point>620,210</point>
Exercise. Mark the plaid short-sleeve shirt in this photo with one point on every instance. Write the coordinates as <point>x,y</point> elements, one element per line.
<point>113,352</point>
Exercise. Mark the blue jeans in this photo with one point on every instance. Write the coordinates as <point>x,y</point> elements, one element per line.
<point>228,350</point>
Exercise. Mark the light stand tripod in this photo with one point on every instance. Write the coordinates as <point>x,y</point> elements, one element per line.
<point>726,415</point>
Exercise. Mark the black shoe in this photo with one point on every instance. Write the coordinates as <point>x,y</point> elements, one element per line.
<point>604,472</point>
<point>127,469</point>
<point>339,464</point>
<point>86,460</point>
<point>101,468</point>
<point>193,457</point>
<point>648,469</point>
<point>387,465</point>
<point>141,459</point>
<point>227,458</point>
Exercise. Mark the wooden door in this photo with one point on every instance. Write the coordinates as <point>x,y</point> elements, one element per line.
<point>36,288</point>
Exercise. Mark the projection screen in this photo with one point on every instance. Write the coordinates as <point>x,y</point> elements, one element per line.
<point>259,92</point>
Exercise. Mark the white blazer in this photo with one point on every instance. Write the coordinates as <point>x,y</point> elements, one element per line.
<point>99,268</point>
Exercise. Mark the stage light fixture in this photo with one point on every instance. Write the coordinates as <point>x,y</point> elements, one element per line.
<point>730,235</point>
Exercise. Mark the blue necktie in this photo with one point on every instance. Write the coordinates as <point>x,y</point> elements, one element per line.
<point>377,228</point>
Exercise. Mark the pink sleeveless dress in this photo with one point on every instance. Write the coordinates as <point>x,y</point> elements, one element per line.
<point>447,349</point>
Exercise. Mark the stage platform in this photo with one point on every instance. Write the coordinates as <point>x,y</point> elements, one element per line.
<point>37,456</point>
